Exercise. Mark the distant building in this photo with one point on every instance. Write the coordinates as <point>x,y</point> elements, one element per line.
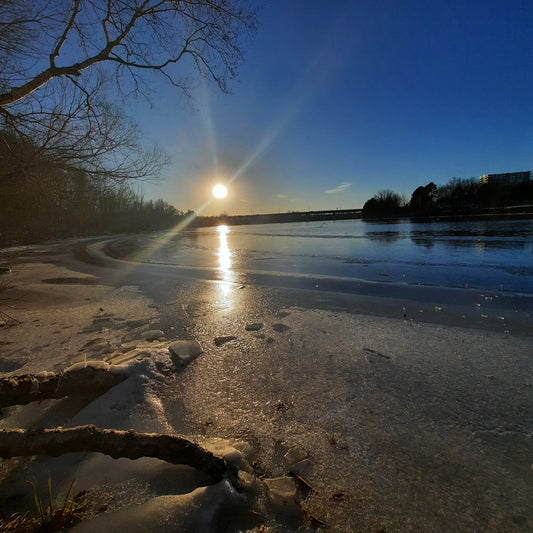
<point>508,178</point>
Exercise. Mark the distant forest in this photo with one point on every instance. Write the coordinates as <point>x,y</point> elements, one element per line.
<point>41,200</point>
<point>458,196</point>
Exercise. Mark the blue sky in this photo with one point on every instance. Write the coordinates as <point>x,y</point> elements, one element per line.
<point>335,103</point>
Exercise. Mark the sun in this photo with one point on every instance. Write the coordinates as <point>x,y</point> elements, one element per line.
<point>220,191</point>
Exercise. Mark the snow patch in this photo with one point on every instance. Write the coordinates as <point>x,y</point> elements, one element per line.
<point>193,512</point>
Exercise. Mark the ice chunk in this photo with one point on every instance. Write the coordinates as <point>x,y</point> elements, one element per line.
<point>219,341</point>
<point>295,455</point>
<point>183,352</point>
<point>153,334</point>
<point>246,479</point>
<point>281,490</point>
<point>223,449</point>
<point>254,326</point>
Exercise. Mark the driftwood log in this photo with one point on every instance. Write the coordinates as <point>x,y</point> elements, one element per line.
<point>115,443</point>
<point>85,380</point>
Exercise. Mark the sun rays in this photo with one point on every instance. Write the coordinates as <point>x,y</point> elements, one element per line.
<point>295,102</point>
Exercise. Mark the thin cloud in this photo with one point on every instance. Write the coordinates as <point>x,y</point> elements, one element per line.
<point>281,196</point>
<point>340,188</point>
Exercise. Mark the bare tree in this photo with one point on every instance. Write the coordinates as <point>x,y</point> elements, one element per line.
<point>81,132</point>
<point>59,58</point>
<point>128,36</point>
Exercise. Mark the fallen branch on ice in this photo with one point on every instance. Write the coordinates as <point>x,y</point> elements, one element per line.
<point>115,443</point>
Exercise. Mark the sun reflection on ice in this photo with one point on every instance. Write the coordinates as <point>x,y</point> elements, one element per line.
<point>224,265</point>
<point>224,253</point>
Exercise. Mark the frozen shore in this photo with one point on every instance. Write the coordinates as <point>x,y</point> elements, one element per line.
<point>397,423</point>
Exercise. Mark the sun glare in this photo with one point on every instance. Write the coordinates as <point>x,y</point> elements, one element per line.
<point>220,191</point>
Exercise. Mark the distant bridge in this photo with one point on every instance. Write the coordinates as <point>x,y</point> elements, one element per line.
<point>273,218</point>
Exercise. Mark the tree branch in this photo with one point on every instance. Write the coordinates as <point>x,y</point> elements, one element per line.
<point>115,443</point>
<point>17,93</point>
<point>63,37</point>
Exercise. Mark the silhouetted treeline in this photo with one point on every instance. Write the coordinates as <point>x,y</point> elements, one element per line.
<point>40,199</point>
<point>384,203</point>
<point>458,196</point>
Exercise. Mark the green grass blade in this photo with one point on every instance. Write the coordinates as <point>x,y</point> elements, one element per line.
<point>50,497</point>
<point>37,498</point>
<point>67,497</point>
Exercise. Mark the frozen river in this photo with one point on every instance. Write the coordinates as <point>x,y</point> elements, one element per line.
<point>409,421</point>
<point>474,274</point>
<point>489,255</point>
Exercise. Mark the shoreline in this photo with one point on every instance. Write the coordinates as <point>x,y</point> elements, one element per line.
<point>495,214</point>
<point>405,423</point>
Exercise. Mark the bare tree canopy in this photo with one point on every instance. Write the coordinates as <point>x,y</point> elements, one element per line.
<point>60,59</point>
<point>130,36</point>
